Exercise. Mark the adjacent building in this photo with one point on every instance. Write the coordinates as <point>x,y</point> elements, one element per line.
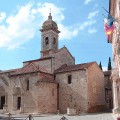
<point>114,9</point>
<point>108,90</point>
<point>84,84</point>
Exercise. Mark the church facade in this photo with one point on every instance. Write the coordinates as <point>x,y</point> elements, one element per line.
<point>53,82</point>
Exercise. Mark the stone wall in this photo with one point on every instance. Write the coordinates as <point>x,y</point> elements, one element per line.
<point>77,89</point>
<point>96,92</point>
<point>108,89</point>
<point>51,35</point>
<point>47,98</point>
<point>7,89</point>
<point>46,63</point>
<point>57,60</point>
<point>62,57</point>
<point>29,97</point>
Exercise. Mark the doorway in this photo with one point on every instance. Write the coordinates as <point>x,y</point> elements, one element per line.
<point>2,102</point>
<point>18,103</point>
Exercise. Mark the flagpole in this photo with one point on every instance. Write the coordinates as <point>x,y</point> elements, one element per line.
<point>105,9</point>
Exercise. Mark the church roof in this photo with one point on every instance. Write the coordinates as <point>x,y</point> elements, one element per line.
<point>8,71</point>
<point>29,68</point>
<point>67,68</point>
<point>50,57</point>
<point>44,58</point>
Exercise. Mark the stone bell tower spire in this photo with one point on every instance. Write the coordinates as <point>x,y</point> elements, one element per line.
<point>50,17</point>
<point>49,37</point>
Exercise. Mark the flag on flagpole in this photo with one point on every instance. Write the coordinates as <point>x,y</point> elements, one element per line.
<point>110,20</point>
<point>109,25</point>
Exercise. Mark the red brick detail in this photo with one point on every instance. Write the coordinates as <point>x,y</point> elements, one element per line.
<point>29,68</point>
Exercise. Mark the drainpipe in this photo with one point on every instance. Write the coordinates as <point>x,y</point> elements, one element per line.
<point>51,64</point>
<point>58,98</point>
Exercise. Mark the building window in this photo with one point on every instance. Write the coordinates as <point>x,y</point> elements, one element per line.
<point>69,79</point>
<point>46,41</point>
<point>53,92</point>
<point>54,41</point>
<point>27,84</point>
<point>2,102</point>
<point>18,103</point>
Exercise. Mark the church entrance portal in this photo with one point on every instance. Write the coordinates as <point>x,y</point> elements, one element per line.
<point>2,102</point>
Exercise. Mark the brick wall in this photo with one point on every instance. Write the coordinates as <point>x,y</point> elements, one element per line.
<point>47,98</point>
<point>57,60</point>
<point>61,58</point>
<point>96,92</point>
<point>43,64</point>
<point>45,93</point>
<point>78,90</point>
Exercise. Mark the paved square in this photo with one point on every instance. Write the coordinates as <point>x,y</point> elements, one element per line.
<point>97,116</point>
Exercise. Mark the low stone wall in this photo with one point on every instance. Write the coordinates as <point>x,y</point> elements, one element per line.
<point>97,108</point>
<point>71,111</point>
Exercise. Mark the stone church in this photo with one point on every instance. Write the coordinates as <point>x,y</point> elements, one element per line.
<point>53,82</point>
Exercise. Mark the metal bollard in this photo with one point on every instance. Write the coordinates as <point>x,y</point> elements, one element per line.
<point>9,116</point>
<point>30,117</point>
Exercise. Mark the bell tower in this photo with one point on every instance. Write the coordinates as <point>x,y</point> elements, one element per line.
<point>49,37</point>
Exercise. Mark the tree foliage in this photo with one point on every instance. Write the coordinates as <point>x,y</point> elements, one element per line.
<point>109,64</point>
<point>100,65</point>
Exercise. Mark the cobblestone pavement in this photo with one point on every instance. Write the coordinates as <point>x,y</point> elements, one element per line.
<point>103,116</point>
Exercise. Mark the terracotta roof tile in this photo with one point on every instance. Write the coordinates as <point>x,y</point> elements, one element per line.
<point>43,58</point>
<point>8,71</point>
<point>67,68</point>
<point>29,68</point>
<point>50,57</point>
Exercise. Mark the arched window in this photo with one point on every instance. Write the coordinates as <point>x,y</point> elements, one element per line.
<point>69,79</point>
<point>27,85</point>
<point>46,41</point>
<point>54,41</point>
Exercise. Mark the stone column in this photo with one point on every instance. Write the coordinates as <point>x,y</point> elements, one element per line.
<point>115,96</point>
<point>5,98</point>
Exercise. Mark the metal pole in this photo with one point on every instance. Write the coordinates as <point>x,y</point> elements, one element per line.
<point>9,116</point>
<point>30,117</point>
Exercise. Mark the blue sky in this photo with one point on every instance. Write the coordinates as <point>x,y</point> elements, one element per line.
<point>80,22</point>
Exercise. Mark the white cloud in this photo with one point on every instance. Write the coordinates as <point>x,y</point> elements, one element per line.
<point>68,32</point>
<point>22,26</point>
<point>92,30</point>
<point>87,1</point>
<point>72,31</point>
<point>86,24</point>
<point>104,68</point>
<point>2,16</point>
<point>93,14</point>
<point>57,14</point>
